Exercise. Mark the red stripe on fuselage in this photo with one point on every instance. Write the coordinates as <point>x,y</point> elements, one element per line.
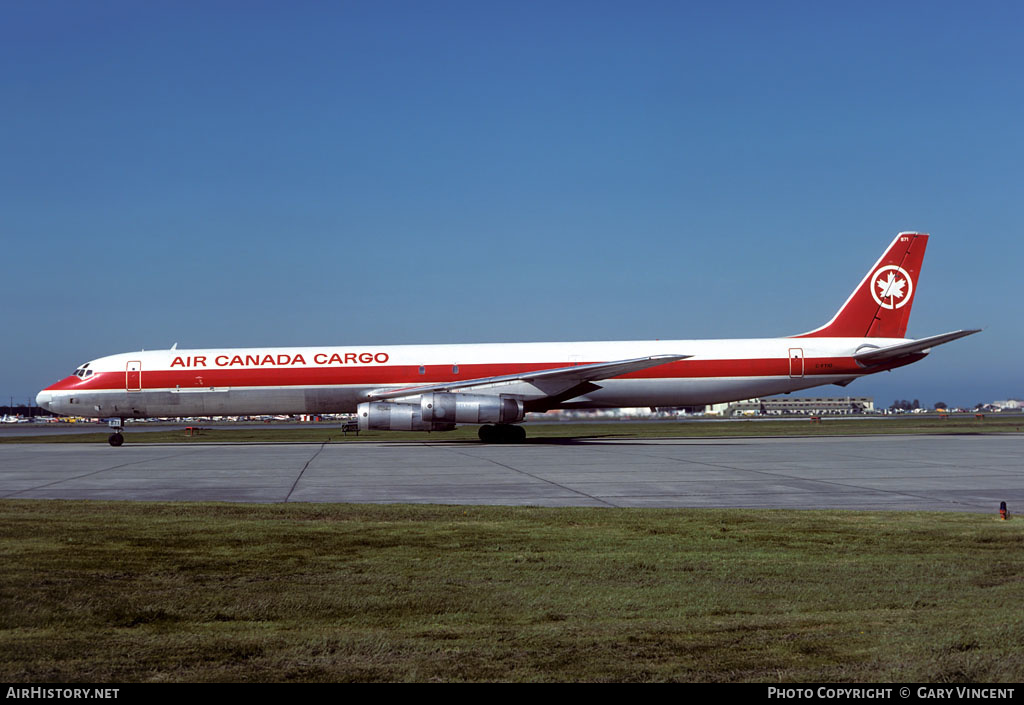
<point>385,375</point>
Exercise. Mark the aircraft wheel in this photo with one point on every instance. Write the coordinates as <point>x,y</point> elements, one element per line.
<point>115,439</point>
<point>502,433</point>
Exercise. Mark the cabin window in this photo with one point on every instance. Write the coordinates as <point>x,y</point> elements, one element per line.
<point>455,369</point>
<point>423,370</point>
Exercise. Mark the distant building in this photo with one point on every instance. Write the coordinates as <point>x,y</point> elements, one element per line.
<point>767,406</point>
<point>778,406</point>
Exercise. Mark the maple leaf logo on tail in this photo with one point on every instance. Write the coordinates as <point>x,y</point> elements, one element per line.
<point>891,287</point>
<point>888,284</point>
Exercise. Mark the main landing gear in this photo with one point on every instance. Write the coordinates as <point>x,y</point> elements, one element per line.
<point>502,433</point>
<point>116,438</point>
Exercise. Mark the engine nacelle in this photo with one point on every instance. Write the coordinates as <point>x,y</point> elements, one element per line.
<point>448,407</point>
<point>395,416</point>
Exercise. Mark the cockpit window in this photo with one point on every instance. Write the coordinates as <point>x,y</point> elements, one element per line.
<point>83,371</point>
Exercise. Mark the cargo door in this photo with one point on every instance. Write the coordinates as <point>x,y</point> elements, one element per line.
<point>133,376</point>
<point>796,363</point>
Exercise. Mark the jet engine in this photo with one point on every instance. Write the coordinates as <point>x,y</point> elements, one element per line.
<point>439,411</point>
<point>395,416</point>
<point>471,408</point>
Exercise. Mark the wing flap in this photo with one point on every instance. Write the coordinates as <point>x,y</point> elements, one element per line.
<point>548,382</point>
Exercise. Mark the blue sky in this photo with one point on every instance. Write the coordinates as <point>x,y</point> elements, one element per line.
<point>268,173</point>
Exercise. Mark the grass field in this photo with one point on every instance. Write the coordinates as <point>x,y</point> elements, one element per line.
<point>966,423</point>
<point>119,592</point>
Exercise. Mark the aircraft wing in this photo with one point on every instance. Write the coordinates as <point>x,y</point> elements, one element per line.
<point>538,383</point>
<point>876,355</point>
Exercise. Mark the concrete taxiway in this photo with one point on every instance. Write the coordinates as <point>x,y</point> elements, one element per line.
<point>953,473</point>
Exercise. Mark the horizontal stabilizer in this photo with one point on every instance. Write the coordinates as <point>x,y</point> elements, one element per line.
<point>872,356</point>
<point>554,380</point>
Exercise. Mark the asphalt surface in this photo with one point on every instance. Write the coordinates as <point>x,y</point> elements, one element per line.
<point>951,473</point>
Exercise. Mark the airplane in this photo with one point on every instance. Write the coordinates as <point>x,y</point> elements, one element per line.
<point>436,387</point>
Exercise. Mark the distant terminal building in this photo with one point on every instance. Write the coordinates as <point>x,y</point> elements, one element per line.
<point>767,406</point>
<point>782,405</point>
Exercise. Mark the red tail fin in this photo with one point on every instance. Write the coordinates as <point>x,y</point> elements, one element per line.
<point>880,305</point>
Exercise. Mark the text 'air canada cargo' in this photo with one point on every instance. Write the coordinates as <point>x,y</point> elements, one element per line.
<point>435,387</point>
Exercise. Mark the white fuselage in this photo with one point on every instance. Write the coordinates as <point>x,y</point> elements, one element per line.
<point>336,379</point>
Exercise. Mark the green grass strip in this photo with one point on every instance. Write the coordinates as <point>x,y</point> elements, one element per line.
<point>121,592</point>
<point>211,433</point>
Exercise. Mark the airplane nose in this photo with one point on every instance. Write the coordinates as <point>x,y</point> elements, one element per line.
<point>43,399</point>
